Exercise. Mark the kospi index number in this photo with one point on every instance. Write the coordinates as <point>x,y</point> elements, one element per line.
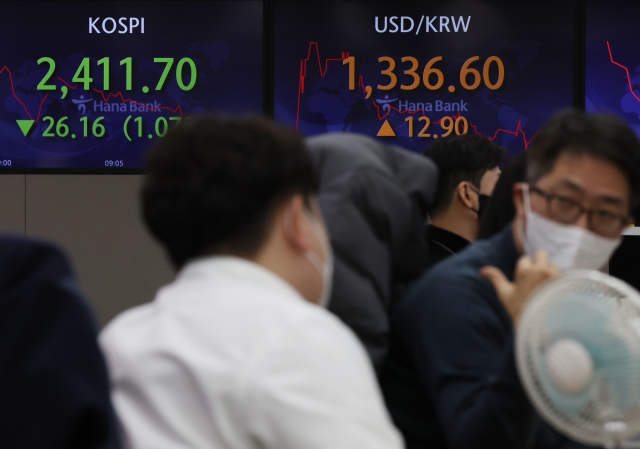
<point>83,74</point>
<point>111,78</point>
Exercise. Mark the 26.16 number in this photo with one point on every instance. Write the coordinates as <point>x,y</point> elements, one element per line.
<point>62,129</point>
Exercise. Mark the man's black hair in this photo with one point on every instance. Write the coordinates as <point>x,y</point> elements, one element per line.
<point>602,136</point>
<point>213,184</point>
<point>461,158</point>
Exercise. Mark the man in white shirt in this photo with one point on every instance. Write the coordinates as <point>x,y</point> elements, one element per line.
<point>238,352</point>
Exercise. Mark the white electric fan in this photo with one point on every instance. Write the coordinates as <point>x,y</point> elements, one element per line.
<point>578,355</point>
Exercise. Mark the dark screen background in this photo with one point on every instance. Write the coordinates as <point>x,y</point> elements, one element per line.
<point>609,87</point>
<point>534,40</point>
<point>223,38</point>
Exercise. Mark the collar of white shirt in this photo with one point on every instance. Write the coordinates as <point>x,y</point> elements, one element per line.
<point>225,270</point>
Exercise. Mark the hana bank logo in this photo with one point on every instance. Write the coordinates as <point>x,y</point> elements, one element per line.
<point>106,106</point>
<point>82,107</point>
<point>386,103</point>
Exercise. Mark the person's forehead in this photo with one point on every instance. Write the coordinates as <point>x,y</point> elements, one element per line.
<point>587,174</point>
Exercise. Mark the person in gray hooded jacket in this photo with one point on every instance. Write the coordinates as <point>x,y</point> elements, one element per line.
<point>374,198</point>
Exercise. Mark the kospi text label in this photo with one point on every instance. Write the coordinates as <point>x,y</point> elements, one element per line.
<point>124,25</point>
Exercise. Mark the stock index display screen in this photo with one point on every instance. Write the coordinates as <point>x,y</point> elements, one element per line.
<point>91,85</point>
<point>412,72</point>
<point>612,73</point>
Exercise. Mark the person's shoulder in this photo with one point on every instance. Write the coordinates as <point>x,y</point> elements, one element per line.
<point>315,348</point>
<point>452,298</point>
<point>312,319</point>
<point>132,339</point>
<point>313,329</point>
<point>283,312</point>
<point>461,268</point>
<point>16,252</point>
<point>253,324</point>
<point>124,331</point>
<point>454,283</point>
<point>26,265</point>
<point>16,242</point>
<point>10,243</point>
<point>338,153</point>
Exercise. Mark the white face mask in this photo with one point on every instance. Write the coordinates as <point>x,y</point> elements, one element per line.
<point>568,246</point>
<point>324,268</point>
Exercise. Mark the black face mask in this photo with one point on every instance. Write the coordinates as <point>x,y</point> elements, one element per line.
<point>483,199</point>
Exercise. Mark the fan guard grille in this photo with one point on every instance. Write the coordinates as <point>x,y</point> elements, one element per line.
<point>598,417</point>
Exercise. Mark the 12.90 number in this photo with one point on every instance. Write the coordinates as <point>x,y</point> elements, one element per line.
<point>449,124</point>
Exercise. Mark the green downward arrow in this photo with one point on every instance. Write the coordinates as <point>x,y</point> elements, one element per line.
<point>25,126</point>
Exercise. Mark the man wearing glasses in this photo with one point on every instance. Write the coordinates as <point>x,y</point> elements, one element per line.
<point>450,380</point>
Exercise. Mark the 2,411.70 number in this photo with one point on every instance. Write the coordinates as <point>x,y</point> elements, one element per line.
<point>83,74</point>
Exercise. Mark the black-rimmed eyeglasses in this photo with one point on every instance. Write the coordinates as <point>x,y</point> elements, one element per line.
<point>567,210</point>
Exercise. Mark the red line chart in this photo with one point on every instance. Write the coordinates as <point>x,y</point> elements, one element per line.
<point>105,97</point>
<point>13,92</point>
<point>518,132</point>
<point>626,69</point>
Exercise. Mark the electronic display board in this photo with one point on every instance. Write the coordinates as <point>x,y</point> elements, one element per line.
<point>92,84</point>
<point>612,74</point>
<point>412,72</point>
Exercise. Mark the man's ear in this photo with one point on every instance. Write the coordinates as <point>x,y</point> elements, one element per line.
<point>465,194</point>
<point>293,224</point>
<point>518,199</point>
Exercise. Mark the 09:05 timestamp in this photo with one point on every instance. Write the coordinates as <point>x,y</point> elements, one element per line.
<point>114,163</point>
